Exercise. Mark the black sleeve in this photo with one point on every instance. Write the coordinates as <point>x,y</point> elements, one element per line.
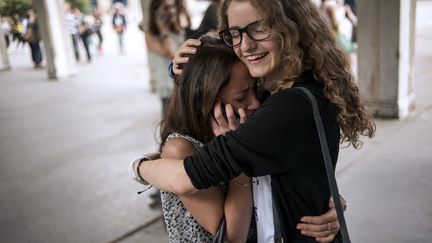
<point>272,141</point>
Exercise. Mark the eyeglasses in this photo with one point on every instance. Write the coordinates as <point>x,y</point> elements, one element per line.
<point>257,31</point>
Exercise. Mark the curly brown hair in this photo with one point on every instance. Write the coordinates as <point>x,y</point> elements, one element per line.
<point>307,43</point>
<point>196,90</point>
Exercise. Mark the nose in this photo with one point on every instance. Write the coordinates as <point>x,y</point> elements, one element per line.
<point>246,43</point>
<point>253,103</point>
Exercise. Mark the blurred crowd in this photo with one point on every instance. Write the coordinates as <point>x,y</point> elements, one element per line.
<point>20,30</point>
<point>84,29</point>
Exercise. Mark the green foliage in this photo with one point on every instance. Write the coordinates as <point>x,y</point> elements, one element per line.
<point>83,5</point>
<point>10,7</point>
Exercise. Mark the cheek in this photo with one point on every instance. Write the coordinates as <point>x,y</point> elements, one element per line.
<point>237,51</point>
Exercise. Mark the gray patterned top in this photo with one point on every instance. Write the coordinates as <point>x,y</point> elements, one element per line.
<point>181,225</point>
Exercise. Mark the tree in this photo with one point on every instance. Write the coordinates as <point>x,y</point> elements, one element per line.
<point>82,5</point>
<point>11,7</point>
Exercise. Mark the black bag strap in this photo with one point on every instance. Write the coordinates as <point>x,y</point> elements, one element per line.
<point>329,166</point>
<point>278,238</point>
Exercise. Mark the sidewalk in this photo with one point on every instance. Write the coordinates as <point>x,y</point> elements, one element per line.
<point>65,147</point>
<point>388,182</point>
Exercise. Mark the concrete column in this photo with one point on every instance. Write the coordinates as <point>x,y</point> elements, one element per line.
<point>385,54</point>
<point>145,5</point>
<point>4,58</point>
<point>105,6</point>
<point>57,41</point>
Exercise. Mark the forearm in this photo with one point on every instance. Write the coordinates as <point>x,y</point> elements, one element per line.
<point>238,209</point>
<point>207,207</point>
<point>168,175</point>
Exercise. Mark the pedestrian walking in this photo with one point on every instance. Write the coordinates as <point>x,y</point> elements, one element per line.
<point>73,29</point>
<point>32,36</point>
<point>98,28</point>
<point>85,31</point>
<point>119,25</point>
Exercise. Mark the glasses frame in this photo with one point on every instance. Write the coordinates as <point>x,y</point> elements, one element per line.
<point>244,30</point>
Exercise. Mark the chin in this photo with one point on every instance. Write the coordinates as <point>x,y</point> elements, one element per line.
<point>257,73</point>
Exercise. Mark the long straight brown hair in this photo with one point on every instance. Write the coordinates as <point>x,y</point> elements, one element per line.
<point>196,90</point>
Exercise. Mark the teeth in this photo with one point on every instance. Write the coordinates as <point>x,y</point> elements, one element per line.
<point>255,57</point>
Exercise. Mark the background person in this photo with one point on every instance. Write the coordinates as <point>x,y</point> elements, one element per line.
<point>32,36</point>
<point>119,25</point>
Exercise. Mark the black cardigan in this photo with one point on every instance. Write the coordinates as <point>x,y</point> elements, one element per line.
<point>280,139</point>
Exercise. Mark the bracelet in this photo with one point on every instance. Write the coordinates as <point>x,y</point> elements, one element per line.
<point>135,173</point>
<point>171,71</point>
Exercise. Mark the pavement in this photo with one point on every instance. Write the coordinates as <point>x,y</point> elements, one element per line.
<point>65,147</point>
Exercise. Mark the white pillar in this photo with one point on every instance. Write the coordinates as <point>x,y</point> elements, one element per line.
<point>145,5</point>
<point>57,41</point>
<point>105,6</point>
<point>385,50</point>
<point>4,58</point>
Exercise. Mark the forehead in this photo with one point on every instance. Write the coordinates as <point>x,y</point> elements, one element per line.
<point>236,13</point>
<point>168,2</point>
<point>240,79</point>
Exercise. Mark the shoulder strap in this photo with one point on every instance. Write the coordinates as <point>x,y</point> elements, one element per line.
<point>329,166</point>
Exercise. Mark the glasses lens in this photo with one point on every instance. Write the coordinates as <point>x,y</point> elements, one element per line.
<point>235,36</point>
<point>226,37</point>
<point>259,30</point>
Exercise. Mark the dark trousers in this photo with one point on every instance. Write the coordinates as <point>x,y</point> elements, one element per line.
<point>36,53</point>
<point>7,40</point>
<point>99,34</point>
<point>85,40</point>
<point>75,46</point>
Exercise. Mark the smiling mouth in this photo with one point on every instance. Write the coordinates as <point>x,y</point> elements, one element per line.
<point>255,58</point>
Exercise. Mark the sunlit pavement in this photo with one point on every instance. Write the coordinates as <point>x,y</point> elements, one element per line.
<point>65,147</point>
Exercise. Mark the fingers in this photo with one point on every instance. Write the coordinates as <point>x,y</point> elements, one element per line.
<point>215,127</point>
<point>242,114</point>
<point>311,228</point>
<point>329,216</point>
<point>181,56</point>
<point>329,238</point>
<point>220,118</point>
<point>233,122</point>
<point>324,232</point>
<point>323,227</point>
<point>228,121</point>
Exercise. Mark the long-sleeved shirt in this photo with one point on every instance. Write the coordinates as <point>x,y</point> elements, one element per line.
<point>280,139</point>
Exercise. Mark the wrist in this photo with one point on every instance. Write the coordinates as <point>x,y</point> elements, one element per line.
<point>134,170</point>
